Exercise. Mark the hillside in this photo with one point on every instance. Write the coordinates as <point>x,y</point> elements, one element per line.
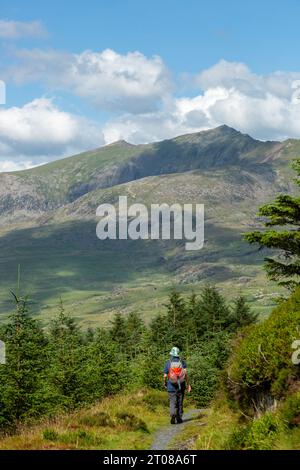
<point>258,404</point>
<point>129,421</point>
<point>47,217</point>
<point>55,184</point>
<point>125,421</point>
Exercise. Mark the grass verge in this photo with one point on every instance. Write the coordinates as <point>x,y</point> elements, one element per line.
<point>126,422</point>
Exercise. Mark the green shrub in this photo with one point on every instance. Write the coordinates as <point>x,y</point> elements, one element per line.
<point>262,361</point>
<point>291,410</point>
<point>132,422</point>
<point>96,419</point>
<point>260,434</point>
<point>50,435</point>
<point>263,432</point>
<point>80,438</point>
<point>238,438</point>
<point>151,368</point>
<point>205,363</point>
<point>204,376</point>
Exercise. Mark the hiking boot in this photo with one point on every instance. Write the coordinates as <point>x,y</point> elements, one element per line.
<point>179,419</point>
<point>173,420</point>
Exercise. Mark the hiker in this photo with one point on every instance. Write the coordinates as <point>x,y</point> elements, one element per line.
<point>175,381</point>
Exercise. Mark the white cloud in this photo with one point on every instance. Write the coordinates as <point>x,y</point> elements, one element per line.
<point>130,82</point>
<point>10,165</point>
<point>266,107</point>
<point>227,74</point>
<point>238,76</point>
<point>39,132</point>
<point>17,29</point>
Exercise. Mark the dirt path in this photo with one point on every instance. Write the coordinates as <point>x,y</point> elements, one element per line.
<point>165,436</point>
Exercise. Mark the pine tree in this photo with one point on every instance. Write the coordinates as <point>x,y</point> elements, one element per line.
<point>25,362</point>
<point>192,316</point>
<point>89,335</point>
<point>104,371</point>
<point>214,314</point>
<point>66,358</point>
<point>118,332</point>
<point>152,366</point>
<point>177,320</point>
<point>134,330</point>
<point>159,332</point>
<point>284,214</point>
<point>241,314</point>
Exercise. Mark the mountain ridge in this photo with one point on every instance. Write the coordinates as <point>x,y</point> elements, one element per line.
<point>121,142</point>
<point>55,184</point>
<point>48,223</point>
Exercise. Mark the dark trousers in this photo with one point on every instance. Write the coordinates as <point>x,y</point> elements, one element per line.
<point>176,402</point>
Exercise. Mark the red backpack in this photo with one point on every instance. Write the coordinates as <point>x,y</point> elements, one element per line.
<point>176,373</point>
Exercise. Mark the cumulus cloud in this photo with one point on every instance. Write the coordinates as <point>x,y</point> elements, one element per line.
<point>264,106</point>
<point>140,92</point>
<point>237,75</point>
<point>18,29</point>
<point>130,82</point>
<point>39,132</point>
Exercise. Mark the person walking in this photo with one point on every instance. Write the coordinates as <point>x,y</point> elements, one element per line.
<point>176,381</point>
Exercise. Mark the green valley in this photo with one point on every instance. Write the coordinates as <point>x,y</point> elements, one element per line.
<point>47,224</point>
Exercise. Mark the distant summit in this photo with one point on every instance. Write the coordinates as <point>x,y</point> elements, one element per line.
<point>120,143</point>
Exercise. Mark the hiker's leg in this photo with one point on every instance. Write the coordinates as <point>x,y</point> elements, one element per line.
<point>180,403</point>
<point>178,393</point>
<point>172,399</point>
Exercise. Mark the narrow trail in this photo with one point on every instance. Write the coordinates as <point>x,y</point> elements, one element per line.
<point>165,436</point>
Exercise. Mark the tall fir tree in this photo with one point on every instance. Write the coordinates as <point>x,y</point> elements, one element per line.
<point>159,332</point>
<point>66,356</point>
<point>213,313</point>
<point>25,362</point>
<point>241,314</point>
<point>177,320</point>
<point>134,330</point>
<point>118,332</point>
<point>283,215</point>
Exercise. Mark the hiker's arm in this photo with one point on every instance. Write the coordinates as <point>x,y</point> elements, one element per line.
<point>166,372</point>
<point>187,379</point>
<point>165,380</point>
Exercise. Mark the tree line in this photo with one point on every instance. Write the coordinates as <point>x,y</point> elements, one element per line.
<point>61,367</point>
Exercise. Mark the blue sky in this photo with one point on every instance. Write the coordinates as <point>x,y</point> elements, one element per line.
<point>189,34</point>
<point>82,74</point>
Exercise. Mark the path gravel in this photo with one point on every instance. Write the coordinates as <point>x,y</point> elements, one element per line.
<point>166,435</point>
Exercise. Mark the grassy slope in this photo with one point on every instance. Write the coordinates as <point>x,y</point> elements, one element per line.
<point>220,422</point>
<point>98,427</point>
<point>104,426</point>
<point>64,257</point>
<point>55,179</point>
<point>258,406</point>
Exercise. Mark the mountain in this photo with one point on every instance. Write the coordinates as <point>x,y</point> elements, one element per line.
<point>55,184</point>
<point>47,222</point>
